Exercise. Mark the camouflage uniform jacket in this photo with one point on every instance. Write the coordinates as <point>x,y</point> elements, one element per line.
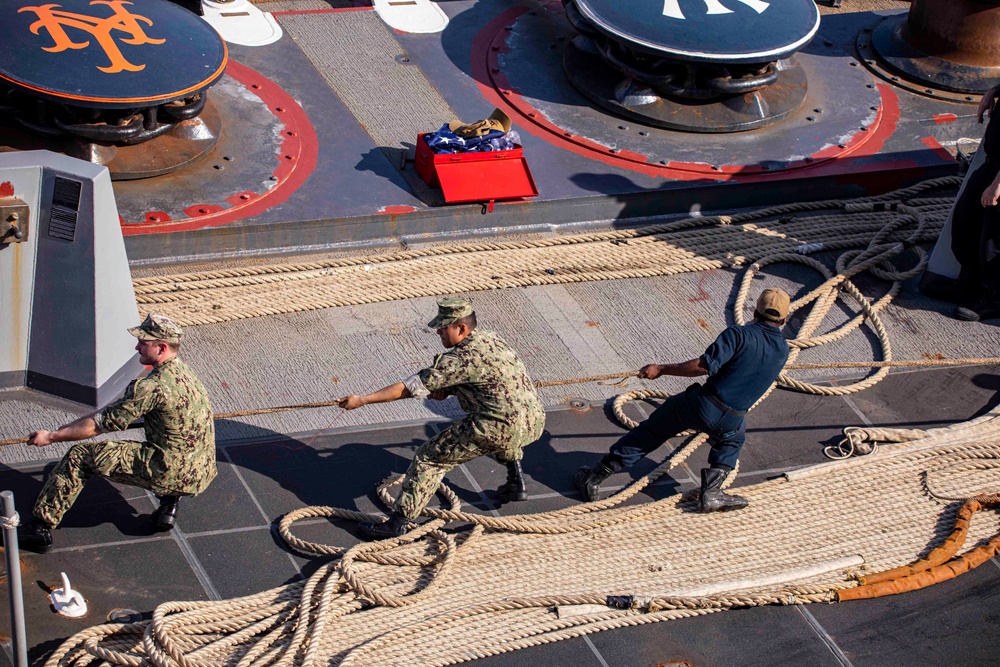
<point>492,386</point>
<point>180,430</point>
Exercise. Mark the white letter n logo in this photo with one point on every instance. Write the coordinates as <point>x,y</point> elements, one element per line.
<point>672,8</point>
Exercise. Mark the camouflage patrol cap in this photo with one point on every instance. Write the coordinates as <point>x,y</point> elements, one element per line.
<point>158,327</point>
<point>449,310</point>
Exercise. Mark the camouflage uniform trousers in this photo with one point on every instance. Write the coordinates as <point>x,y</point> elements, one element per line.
<point>125,461</point>
<point>463,441</point>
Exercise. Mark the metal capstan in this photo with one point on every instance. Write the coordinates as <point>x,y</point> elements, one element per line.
<point>714,66</point>
<point>113,83</point>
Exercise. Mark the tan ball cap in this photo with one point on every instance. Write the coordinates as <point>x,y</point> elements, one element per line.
<point>772,305</point>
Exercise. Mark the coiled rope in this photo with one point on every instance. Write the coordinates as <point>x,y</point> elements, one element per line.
<point>506,583</point>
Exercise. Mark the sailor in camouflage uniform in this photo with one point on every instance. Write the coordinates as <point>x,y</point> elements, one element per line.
<point>176,459</point>
<point>491,384</point>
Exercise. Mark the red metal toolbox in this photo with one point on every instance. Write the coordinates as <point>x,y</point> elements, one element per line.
<point>476,176</point>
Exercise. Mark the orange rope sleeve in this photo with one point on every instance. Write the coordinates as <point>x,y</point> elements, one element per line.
<point>936,567</point>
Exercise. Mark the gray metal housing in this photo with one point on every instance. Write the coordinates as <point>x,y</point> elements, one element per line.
<point>66,294</point>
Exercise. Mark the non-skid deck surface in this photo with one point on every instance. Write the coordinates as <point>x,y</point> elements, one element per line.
<point>225,546</point>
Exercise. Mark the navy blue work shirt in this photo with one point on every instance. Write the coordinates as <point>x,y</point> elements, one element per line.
<point>743,362</point>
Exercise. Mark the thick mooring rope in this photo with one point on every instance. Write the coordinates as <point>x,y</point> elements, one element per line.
<point>439,598</point>
<point>875,226</point>
<point>434,597</point>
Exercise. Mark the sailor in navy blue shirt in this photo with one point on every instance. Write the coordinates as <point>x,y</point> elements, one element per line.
<point>742,363</point>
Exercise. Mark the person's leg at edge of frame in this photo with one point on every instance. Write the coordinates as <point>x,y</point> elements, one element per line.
<point>722,460</point>
<point>668,420</point>
<point>969,221</point>
<point>987,306</point>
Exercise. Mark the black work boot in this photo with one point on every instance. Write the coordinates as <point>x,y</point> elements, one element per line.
<point>515,488</point>
<point>396,526</point>
<point>963,291</point>
<point>713,498</point>
<point>166,514</point>
<point>983,309</point>
<point>588,482</point>
<point>36,536</point>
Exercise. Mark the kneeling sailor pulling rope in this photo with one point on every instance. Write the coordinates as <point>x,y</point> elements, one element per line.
<point>176,459</point>
<point>742,364</point>
<point>504,413</point>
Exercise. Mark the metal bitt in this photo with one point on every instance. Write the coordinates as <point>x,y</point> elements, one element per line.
<point>10,521</point>
<point>951,45</point>
<point>663,64</point>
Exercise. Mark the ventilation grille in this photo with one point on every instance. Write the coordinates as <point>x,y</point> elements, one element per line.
<point>65,204</point>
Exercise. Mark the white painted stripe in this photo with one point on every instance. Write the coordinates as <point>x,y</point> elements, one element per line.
<point>825,637</point>
<point>597,654</point>
<point>101,545</point>
<point>478,489</point>
<point>857,410</point>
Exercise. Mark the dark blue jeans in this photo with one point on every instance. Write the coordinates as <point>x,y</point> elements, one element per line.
<point>690,410</point>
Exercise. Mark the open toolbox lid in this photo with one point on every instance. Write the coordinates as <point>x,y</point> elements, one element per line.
<point>482,177</point>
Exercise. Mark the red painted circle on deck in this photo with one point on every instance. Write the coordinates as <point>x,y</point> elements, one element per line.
<point>295,162</point>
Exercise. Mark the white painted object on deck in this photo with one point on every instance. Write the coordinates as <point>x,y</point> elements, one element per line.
<point>68,602</point>
<point>416,16</point>
<point>239,22</point>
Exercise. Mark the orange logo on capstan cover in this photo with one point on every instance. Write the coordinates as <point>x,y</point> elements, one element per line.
<point>122,21</point>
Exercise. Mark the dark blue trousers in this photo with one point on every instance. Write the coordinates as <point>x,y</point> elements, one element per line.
<point>690,410</point>
<point>975,233</point>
